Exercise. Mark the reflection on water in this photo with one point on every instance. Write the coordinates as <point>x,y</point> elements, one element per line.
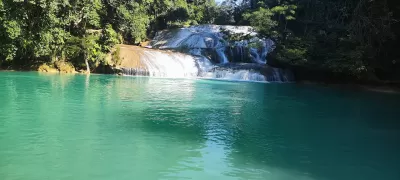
<point>107,127</point>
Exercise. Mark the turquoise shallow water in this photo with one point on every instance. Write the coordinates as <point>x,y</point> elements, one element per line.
<point>107,127</point>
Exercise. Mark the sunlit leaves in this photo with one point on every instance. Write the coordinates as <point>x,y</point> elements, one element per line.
<point>12,29</point>
<point>68,30</point>
<point>261,20</point>
<point>288,11</point>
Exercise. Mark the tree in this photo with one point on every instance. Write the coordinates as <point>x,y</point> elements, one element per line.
<point>91,50</point>
<point>262,20</point>
<point>348,37</point>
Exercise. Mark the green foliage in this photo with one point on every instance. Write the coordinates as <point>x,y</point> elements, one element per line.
<point>109,38</point>
<point>74,31</point>
<point>232,37</point>
<point>347,58</point>
<point>294,51</point>
<point>262,21</point>
<point>115,56</point>
<point>64,67</point>
<point>92,49</point>
<point>7,52</point>
<point>87,48</point>
<point>132,20</point>
<point>73,48</point>
<point>256,44</point>
<point>288,11</point>
<point>354,38</point>
<point>12,29</point>
<point>351,37</point>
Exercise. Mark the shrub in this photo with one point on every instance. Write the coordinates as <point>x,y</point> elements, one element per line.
<point>115,56</point>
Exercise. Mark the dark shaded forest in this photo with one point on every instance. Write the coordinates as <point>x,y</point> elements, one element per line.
<point>333,40</point>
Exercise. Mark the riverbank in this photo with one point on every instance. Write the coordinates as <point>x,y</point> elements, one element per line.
<point>325,77</point>
<point>56,67</point>
<point>381,88</point>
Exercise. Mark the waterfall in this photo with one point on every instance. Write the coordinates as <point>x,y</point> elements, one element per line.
<point>221,55</point>
<point>240,75</point>
<point>213,37</point>
<point>279,75</point>
<point>202,52</point>
<point>163,64</point>
<point>195,37</point>
<point>258,49</point>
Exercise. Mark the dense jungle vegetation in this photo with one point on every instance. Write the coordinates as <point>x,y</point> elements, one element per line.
<point>338,39</point>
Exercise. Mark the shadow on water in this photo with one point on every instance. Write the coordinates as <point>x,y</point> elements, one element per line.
<point>322,133</point>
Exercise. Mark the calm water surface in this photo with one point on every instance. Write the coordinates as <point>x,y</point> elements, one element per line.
<point>78,127</point>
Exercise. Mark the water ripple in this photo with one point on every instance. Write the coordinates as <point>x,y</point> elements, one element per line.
<point>107,127</point>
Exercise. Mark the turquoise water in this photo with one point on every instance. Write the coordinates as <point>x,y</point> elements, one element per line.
<point>107,127</point>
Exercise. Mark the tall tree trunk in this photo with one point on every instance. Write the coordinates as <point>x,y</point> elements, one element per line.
<point>87,64</point>
<point>285,25</point>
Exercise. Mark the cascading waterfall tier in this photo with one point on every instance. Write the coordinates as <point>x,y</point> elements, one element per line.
<point>138,61</point>
<point>216,38</point>
<point>249,72</point>
<point>158,63</point>
<point>202,52</point>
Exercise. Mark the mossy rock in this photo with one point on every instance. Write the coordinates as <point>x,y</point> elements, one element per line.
<point>64,67</point>
<point>46,68</point>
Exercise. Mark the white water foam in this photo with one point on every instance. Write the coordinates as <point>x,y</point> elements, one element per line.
<point>165,64</point>
<point>239,75</point>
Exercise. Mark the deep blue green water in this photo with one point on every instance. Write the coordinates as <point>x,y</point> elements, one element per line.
<point>107,127</point>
